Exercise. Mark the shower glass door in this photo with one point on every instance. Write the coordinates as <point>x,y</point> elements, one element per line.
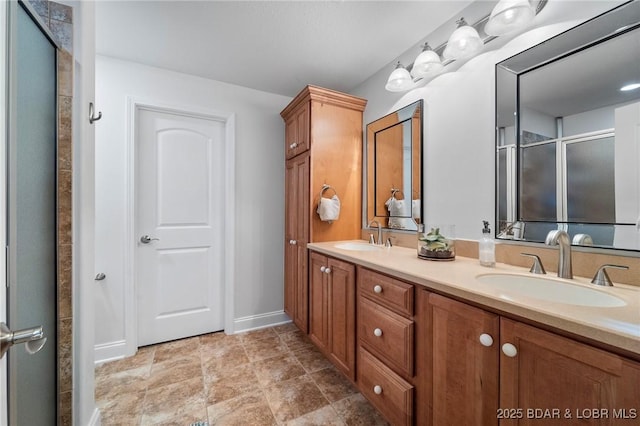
<point>31,217</point>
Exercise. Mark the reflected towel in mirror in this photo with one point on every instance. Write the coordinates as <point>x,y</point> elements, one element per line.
<point>416,208</point>
<point>329,208</point>
<point>397,213</point>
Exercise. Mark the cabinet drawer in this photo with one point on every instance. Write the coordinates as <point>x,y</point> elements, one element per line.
<point>387,391</point>
<point>394,294</point>
<point>386,334</point>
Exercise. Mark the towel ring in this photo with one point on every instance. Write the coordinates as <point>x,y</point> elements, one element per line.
<point>325,187</point>
<point>394,191</point>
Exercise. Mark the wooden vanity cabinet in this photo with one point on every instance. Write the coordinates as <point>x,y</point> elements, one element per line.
<point>323,145</point>
<point>332,310</point>
<point>583,383</point>
<point>386,345</point>
<point>475,379</point>
<point>464,374</point>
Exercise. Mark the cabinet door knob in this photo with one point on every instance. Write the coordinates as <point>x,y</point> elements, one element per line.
<point>294,242</point>
<point>377,289</point>
<point>323,268</point>
<point>377,332</point>
<point>509,350</point>
<point>377,389</point>
<point>293,145</point>
<point>486,339</point>
<point>327,271</point>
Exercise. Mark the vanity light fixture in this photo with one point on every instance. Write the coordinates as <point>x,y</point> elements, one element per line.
<point>464,43</point>
<point>399,80</point>
<point>629,87</point>
<point>508,16</point>
<point>427,64</point>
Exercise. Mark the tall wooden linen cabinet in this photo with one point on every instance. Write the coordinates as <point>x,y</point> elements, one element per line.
<point>323,146</point>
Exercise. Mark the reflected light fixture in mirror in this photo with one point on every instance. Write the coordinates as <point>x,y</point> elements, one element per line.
<point>464,43</point>
<point>399,80</point>
<point>427,64</point>
<point>630,87</point>
<point>508,16</point>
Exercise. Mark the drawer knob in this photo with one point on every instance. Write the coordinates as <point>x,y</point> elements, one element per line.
<point>293,145</point>
<point>377,332</point>
<point>323,268</point>
<point>377,389</point>
<point>486,339</point>
<point>509,350</point>
<point>327,271</point>
<point>377,289</point>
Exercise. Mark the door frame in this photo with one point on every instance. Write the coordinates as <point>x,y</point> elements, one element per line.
<point>134,105</point>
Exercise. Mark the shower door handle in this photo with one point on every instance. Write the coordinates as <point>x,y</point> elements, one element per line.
<point>32,337</point>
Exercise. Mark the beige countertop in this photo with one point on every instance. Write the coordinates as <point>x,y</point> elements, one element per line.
<point>612,326</point>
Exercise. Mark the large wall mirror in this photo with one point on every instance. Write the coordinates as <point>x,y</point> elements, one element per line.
<point>568,135</point>
<point>394,169</point>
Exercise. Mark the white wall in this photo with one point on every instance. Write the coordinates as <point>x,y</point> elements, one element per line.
<point>85,411</point>
<point>259,190</point>
<point>459,141</point>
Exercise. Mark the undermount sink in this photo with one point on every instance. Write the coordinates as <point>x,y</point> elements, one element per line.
<point>358,246</point>
<point>549,290</point>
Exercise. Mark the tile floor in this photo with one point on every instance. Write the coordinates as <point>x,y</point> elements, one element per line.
<point>273,376</point>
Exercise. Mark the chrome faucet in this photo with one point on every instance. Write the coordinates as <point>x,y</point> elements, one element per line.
<point>371,239</point>
<point>561,238</point>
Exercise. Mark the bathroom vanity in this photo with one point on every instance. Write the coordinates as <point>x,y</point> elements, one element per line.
<point>434,343</point>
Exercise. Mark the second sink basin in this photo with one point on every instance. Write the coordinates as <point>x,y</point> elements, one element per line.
<point>549,290</point>
<point>355,246</point>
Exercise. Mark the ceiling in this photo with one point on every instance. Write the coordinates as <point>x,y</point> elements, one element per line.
<point>273,46</point>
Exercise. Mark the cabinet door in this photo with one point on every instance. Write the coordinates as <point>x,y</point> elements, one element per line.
<point>342,312</point>
<point>584,385</point>
<point>296,238</point>
<point>464,370</point>
<point>297,132</point>
<point>318,318</point>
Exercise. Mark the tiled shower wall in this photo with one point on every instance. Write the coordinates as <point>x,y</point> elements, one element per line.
<point>59,19</point>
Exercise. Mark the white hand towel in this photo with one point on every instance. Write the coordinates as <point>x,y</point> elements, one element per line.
<point>329,208</point>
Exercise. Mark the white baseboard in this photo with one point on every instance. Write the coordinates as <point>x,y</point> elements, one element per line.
<point>95,418</point>
<point>110,351</point>
<point>255,322</point>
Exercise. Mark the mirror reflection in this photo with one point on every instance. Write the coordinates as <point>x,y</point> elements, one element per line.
<point>568,145</point>
<point>394,192</point>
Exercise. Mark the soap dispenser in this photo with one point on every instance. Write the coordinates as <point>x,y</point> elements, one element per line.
<point>487,247</point>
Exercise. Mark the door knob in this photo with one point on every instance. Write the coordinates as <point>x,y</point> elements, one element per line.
<point>146,239</point>
<point>32,337</point>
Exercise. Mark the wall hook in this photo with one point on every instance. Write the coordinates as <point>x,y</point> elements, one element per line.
<point>93,118</point>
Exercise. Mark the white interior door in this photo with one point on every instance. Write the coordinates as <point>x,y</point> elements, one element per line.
<point>180,225</point>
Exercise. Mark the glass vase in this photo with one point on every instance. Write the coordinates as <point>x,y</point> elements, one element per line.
<point>436,242</point>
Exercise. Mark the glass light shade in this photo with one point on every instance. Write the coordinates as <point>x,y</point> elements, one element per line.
<point>399,80</point>
<point>427,64</point>
<point>464,43</point>
<point>508,16</point>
